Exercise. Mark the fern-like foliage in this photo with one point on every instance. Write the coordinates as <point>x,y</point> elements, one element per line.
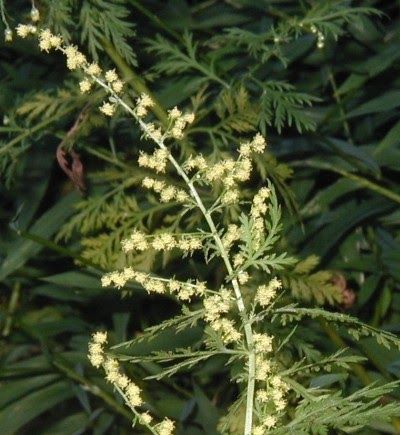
<point>354,327</point>
<point>33,115</point>
<point>59,16</point>
<point>312,286</point>
<point>320,413</point>
<point>175,60</point>
<point>281,104</point>
<point>104,19</point>
<point>327,18</point>
<point>53,103</point>
<point>236,112</point>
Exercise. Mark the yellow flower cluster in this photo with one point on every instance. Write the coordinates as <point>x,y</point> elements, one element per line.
<point>143,103</point>
<point>153,132</point>
<point>93,69</point>
<point>243,277</point>
<point>267,423</point>
<point>167,193</point>
<point>220,170</point>
<point>108,108</point>
<point>197,162</point>
<point>257,145</point>
<point>131,392</point>
<point>118,379</point>
<point>157,161</point>
<point>97,358</point>
<point>320,36</point>
<point>47,40</point>
<point>232,234</point>
<point>85,86</point>
<point>257,212</point>
<point>216,305</point>
<point>166,242</point>
<point>96,350</point>
<point>238,260</point>
<point>186,290</point>
<point>230,172</point>
<point>262,343</point>
<point>166,427</point>
<point>139,241</point>
<point>226,328</point>
<point>179,122</point>
<point>75,59</point>
<point>113,80</point>
<point>145,418</point>
<point>265,293</point>
<point>274,394</point>
<point>183,290</point>
<point>263,368</point>
<point>24,30</point>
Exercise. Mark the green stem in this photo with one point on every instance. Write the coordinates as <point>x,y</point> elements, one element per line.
<point>133,409</point>
<point>3,15</point>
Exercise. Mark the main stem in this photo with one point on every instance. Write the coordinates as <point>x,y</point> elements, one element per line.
<point>238,295</point>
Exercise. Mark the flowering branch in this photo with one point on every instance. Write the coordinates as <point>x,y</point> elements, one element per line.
<point>216,304</point>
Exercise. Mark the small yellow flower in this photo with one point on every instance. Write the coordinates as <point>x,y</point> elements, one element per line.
<point>108,109</point>
<point>100,337</point>
<point>133,393</point>
<point>189,117</point>
<point>8,35</point>
<point>93,69</point>
<point>117,86</point>
<point>85,86</point>
<point>55,41</point>
<point>166,427</point>
<point>243,277</point>
<point>23,30</point>
<point>145,418</point>
<point>35,15</point>
<point>174,113</point>
<point>111,76</point>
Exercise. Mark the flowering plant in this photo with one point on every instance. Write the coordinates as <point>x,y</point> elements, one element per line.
<point>245,317</point>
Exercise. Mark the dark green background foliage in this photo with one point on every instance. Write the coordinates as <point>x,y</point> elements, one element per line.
<point>331,116</point>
